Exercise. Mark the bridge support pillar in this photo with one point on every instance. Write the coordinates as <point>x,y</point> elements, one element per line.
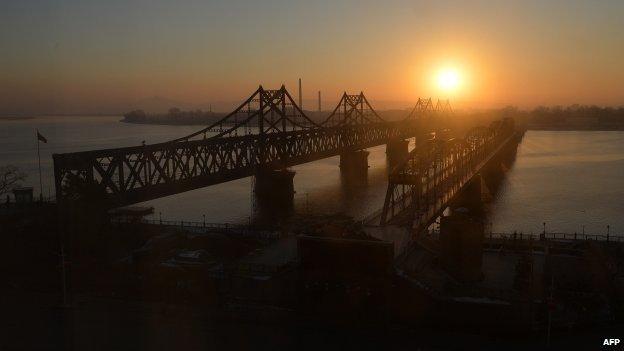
<point>461,246</point>
<point>354,162</point>
<point>396,151</point>
<point>274,188</point>
<point>472,197</point>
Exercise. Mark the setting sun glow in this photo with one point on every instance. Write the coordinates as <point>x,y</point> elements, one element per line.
<point>448,80</point>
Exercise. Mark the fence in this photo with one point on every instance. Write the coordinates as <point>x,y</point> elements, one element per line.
<point>205,227</point>
<point>555,236</point>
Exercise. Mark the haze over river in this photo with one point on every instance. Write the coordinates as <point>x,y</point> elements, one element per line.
<point>566,179</point>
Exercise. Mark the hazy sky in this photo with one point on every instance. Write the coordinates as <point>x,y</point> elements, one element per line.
<point>80,54</point>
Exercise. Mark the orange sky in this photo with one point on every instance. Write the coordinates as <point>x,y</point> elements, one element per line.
<point>86,56</point>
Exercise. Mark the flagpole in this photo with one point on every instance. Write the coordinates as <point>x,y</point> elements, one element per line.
<point>39,158</point>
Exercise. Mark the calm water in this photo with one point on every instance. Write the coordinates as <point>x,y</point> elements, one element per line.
<point>566,179</point>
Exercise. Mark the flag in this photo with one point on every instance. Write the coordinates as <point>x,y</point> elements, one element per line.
<point>41,137</point>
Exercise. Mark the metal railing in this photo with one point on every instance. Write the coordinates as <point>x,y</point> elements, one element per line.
<point>556,236</point>
<point>204,227</point>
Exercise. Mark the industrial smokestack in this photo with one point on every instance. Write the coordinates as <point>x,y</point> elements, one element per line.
<point>300,97</point>
<point>319,102</point>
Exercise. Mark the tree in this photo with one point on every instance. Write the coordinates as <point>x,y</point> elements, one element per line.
<point>87,195</point>
<point>136,115</point>
<point>10,178</point>
<point>509,111</point>
<point>174,112</point>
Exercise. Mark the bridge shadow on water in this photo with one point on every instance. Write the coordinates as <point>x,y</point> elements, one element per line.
<point>495,175</point>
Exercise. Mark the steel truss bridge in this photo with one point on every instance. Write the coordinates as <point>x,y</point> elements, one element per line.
<point>422,186</point>
<point>268,130</point>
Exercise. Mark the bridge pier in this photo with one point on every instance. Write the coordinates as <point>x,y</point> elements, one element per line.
<point>461,246</point>
<point>472,196</point>
<point>396,151</point>
<point>274,188</point>
<point>354,162</point>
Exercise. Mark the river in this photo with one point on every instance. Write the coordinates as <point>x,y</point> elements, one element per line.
<point>564,178</point>
<point>567,179</point>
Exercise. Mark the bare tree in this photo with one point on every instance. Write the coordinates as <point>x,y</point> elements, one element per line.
<point>10,178</point>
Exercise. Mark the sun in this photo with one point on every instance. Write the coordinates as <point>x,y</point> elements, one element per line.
<point>448,79</point>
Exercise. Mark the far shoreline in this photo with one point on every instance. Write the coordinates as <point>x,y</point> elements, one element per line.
<point>576,128</point>
<point>27,117</point>
<point>164,123</point>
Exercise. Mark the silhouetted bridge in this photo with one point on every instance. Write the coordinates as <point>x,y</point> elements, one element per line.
<point>266,132</point>
<point>436,171</point>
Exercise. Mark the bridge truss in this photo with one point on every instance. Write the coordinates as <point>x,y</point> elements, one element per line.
<point>266,130</point>
<point>422,186</point>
